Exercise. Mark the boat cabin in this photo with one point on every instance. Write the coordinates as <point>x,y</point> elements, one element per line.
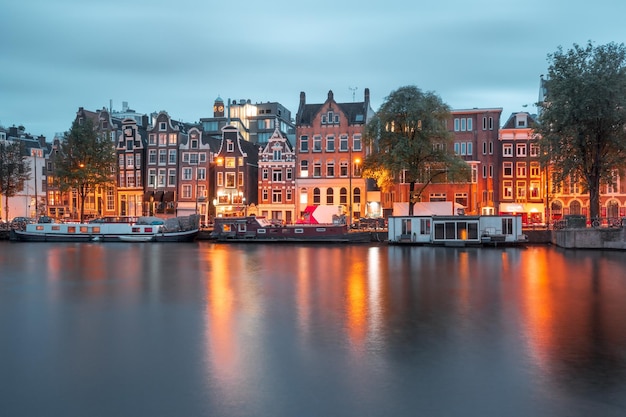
<point>455,230</point>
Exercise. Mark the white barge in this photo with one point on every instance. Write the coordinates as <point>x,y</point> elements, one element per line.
<point>456,230</point>
<point>180,229</point>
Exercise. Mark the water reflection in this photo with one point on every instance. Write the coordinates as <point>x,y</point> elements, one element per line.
<point>574,312</point>
<point>364,309</point>
<point>308,330</point>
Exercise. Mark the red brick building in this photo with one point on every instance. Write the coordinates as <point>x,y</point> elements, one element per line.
<point>277,179</point>
<point>475,133</point>
<point>330,152</point>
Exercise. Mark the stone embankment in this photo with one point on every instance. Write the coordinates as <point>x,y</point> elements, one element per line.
<point>608,238</point>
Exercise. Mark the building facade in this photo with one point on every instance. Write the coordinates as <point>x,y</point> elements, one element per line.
<point>131,150</point>
<point>164,136</point>
<point>522,184</point>
<point>193,190</point>
<point>236,175</point>
<point>31,201</point>
<point>330,153</point>
<point>277,179</point>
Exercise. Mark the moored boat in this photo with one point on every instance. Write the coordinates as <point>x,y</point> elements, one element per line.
<point>180,229</point>
<point>260,229</point>
<point>456,230</point>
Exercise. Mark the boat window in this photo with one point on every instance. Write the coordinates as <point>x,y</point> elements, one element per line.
<point>84,229</point>
<point>261,231</point>
<point>472,230</point>
<point>95,229</point>
<point>71,229</point>
<point>320,229</point>
<point>450,230</point>
<point>406,226</point>
<point>298,231</point>
<point>461,230</point>
<point>439,231</point>
<point>507,226</point>
<point>39,227</point>
<point>56,227</point>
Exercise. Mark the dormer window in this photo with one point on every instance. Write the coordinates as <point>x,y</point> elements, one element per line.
<point>230,146</point>
<point>194,143</point>
<point>162,126</point>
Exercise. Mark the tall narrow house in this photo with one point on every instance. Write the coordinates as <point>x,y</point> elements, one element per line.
<point>277,181</point>
<point>164,136</point>
<point>330,153</point>
<point>236,174</point>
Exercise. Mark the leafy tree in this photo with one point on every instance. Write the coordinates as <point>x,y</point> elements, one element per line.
<point>409,134</point>
<point>582,120</point>
<point>86,160</point>
<point>14,171</point>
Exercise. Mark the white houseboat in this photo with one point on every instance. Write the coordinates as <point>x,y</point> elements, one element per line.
<point>456,230</point>
<point>145,229</point>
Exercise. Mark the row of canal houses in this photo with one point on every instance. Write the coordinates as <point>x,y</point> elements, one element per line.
<point>255,159</point>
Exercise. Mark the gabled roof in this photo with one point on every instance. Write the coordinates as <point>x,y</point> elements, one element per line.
<point>277,137</point>
<point>355,112</point>
<point>247,149</point>
<point>511,123</point>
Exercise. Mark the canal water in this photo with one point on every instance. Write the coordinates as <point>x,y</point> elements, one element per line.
<point>208,329</point>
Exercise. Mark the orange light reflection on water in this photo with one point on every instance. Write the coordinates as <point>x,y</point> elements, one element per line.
<point>222,348</point>
<point>569,316</point>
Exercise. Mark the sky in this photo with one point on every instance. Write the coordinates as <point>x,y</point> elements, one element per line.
<point>180,55</point>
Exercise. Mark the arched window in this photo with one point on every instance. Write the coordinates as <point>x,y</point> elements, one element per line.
<point>556,208</point>
<point>343,196</point>
<point>304,198</point>
<point>316,196</point>
<point>330,198</point>
<point>612,209</point>
<point>574,207</point>
<point>357,195</point>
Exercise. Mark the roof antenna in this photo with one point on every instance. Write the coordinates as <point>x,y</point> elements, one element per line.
<point>353,89</point>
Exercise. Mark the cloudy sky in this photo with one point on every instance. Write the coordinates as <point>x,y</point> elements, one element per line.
<point>179,55</point>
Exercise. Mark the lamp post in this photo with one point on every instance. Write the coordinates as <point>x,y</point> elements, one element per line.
<point>196,191</point>
<point>35,163</point>
<point>350,188</point>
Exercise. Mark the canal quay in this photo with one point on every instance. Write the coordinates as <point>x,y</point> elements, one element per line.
<point>571,238</point>
<point>239,329</point>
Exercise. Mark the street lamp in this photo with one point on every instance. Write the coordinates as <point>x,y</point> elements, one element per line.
<point>196,191</point>
<point>353,164</point>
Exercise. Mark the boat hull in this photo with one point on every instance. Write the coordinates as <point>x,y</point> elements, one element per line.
<point>252,229</point>
<point>109,232</point>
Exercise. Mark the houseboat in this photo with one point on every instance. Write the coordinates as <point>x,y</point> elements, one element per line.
<point>261,229</point>
<point>456,230</point>
<point>145,229</point>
